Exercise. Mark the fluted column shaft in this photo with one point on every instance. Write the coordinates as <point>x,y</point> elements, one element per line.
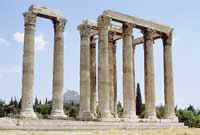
<point>115,77</point>
<point>103,67</point>
<point>128,69</point>
<point>111,71</point>
<point>149,75</point>
<point>85,78</point>
<point>28,66</point>
<point>58,71</point>
<point>168,78</point>
<point>93,75</point>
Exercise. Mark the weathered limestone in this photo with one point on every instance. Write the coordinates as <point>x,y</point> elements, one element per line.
<point>103,68</point>
<point>139,23</point>
<point>168,79</point>
<point>28,67</point>
<point>85,85</point>
<point>108,33</point>
<point>128,79</point>
<point>58,72</point>
<point>28,63</point>
<point>115,78</point>
<point>149,75</point>
<point>93,96</point>
<point>111,71</point>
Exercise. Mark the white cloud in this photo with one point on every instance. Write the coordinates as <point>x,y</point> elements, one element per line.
<point>40,41</point>
<point>19,37</point>
<point>4,42</point>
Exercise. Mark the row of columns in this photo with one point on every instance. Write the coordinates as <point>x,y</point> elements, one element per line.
<point>28,68</point>
<point>107,78</point>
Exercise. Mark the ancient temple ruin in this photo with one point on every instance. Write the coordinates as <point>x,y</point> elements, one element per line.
<point>28,61</point>
<point>107,34</point>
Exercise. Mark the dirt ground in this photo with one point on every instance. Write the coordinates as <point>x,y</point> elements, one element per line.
<point>108,132</point>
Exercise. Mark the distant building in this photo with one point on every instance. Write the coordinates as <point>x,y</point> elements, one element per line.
<point>71,96</point>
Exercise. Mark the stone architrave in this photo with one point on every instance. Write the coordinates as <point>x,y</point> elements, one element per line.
<point>85,66</point>
<point>58,71</point>
<point>128,79</point>
<point>103,68</point>
<point>28,67</point>
<point>149,75</point>
<point>168,79</point>
<point>93,97</point>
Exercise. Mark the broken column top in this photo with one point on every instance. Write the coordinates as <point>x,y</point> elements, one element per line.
<point>54,15</point>
<point>139,23</point>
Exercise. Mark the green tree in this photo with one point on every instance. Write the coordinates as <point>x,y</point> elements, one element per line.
<point>138,100</point>
<point>160,112</point>
<point>46,101</point>
<point>36,101</point>
<point>2,111</point>
<point>119,109</point>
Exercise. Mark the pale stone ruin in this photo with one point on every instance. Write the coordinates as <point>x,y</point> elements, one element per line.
<point>28,61</point>
<point>108,33</point>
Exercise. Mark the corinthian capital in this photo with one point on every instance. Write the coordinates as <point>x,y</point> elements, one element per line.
<point>85,30</point>
<point>167,39</point>
<point>148,34</point>
<point>127,29</point>
<point>104,22</point>
<point>59,25</point>
<point>29,19</point>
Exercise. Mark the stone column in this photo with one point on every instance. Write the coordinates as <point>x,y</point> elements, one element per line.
<point>168,78</point>
<point>58,71</point>
<point>128,79</point>
<point>111,71</point>
<point>85,85</point>
<point>103,68</point>
<point>93,98</point>
<point>28,67</point>
<point>149,75</point>
<point>115,78</point>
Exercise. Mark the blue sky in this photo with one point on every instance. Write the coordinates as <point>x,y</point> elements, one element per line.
<point>182,15</point>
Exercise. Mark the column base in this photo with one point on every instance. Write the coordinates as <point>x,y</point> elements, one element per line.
<point>106,116</point>
<point>129,117</point>
<point>152,118</point>
<point>172,118</point>
<point>86,116</point>
<point>58,114</point>
<point>28,114</point>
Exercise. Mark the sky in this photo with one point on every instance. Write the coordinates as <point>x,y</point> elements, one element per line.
<point>182,15</point>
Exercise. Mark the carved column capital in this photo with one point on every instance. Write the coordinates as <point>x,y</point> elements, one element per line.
<point>30,20</point>
<point>127,29</point>
<point>148,34</point>
<point>103,22</point>
<point>59,26</point>
<point>85,31</point>
<point>167,39</point>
